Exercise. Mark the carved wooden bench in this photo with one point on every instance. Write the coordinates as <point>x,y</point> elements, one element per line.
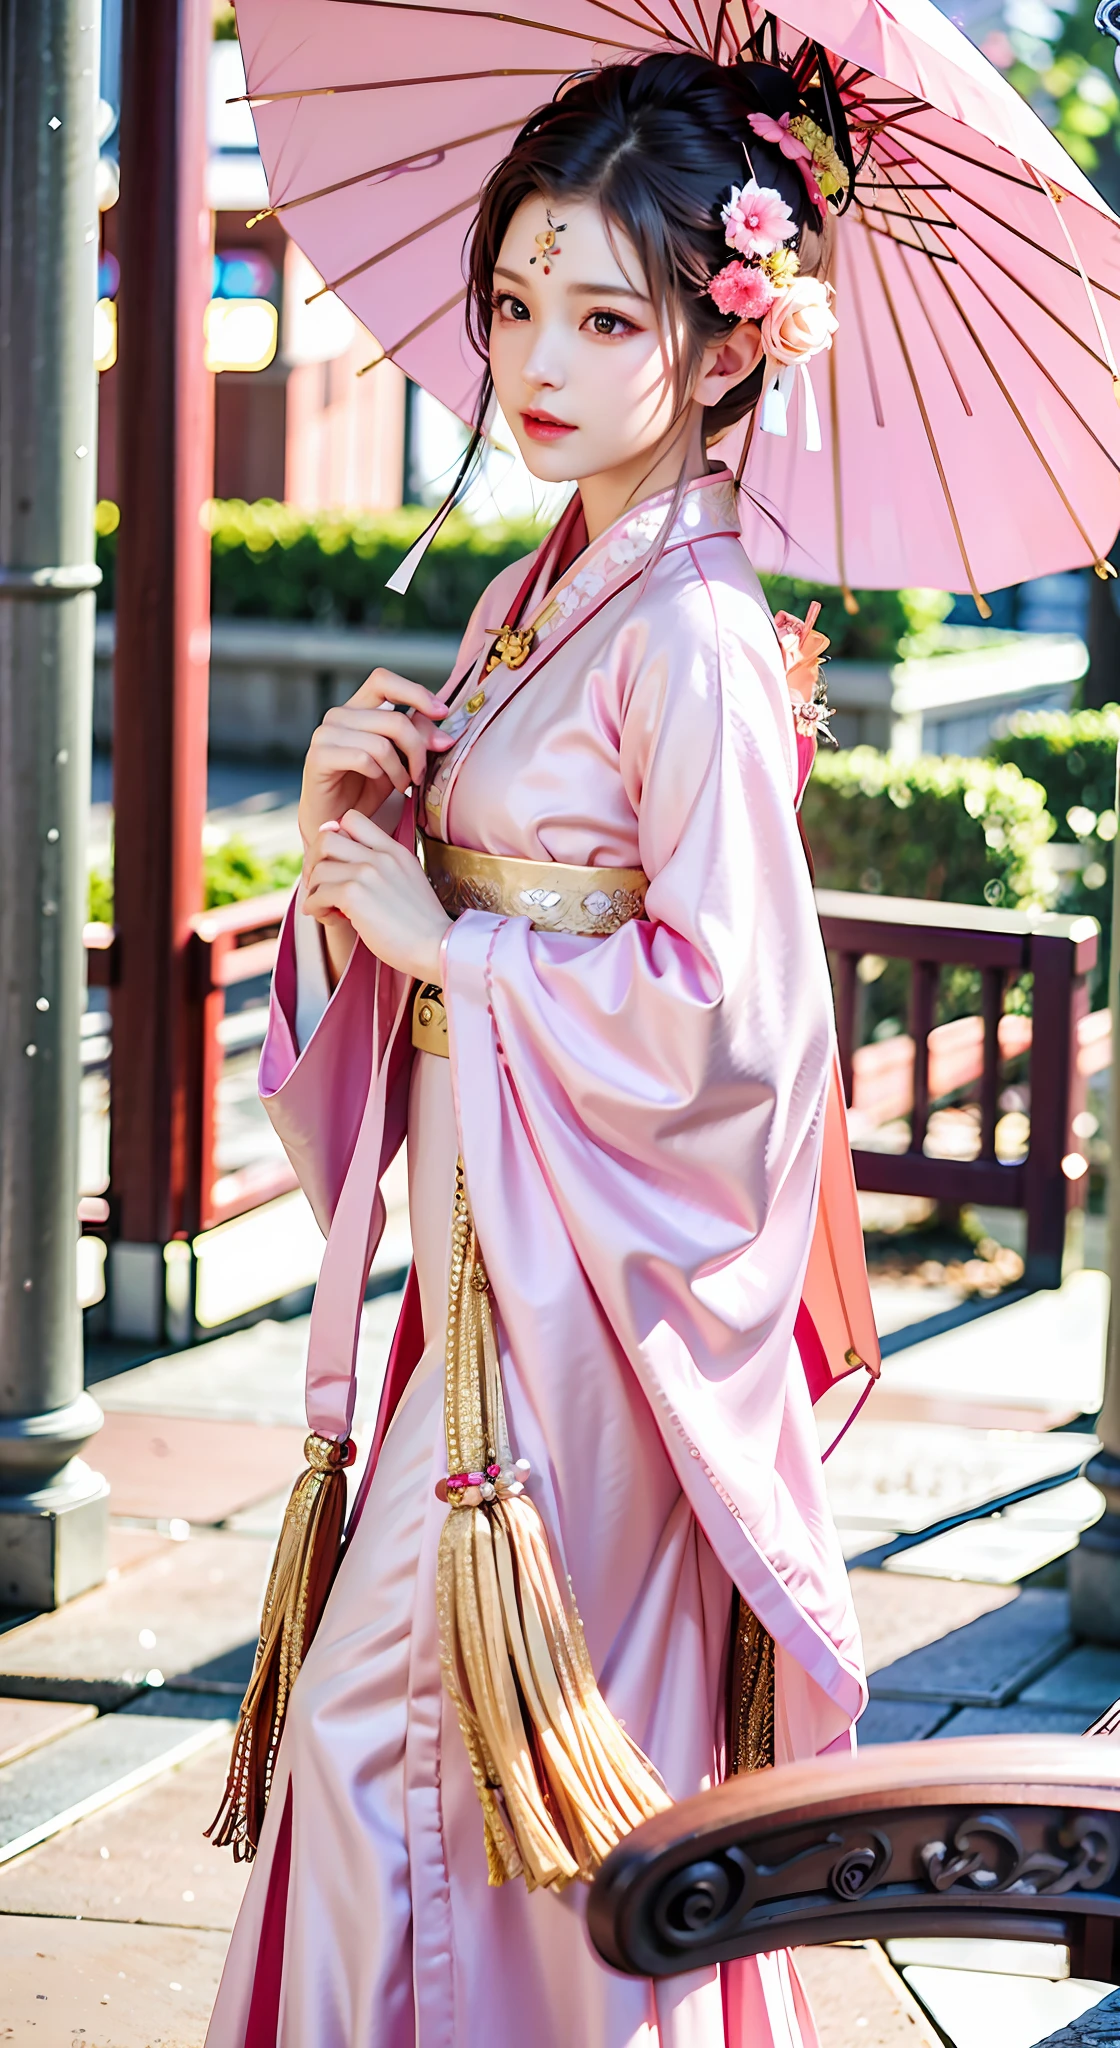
<point>1012,1837</point>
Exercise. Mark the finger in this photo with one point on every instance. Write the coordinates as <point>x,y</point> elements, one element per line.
<point>383,686</point>
<point>376,756</point>
<point>433,739</point>
<point>324,911</point>
<point>341,854</point>
<point>328,879</point>
<point>369,835</point>
<point>350,726</point>
<point>327,891</point>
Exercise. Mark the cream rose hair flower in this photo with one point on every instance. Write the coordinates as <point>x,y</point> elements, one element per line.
<point>800,323</point>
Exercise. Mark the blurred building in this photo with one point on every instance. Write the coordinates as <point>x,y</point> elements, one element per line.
<point>305,426</point>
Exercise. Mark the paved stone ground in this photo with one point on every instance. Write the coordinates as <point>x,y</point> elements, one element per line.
<point>115,1713</point>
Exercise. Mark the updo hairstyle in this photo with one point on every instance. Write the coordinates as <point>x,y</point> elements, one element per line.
<point>658,144</point>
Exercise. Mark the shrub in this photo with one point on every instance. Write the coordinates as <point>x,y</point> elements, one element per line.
<point>960,831</point>
<point>274,561</point>
<point>878,631</point>
<point>1073,756</point>
<point>231,871</point>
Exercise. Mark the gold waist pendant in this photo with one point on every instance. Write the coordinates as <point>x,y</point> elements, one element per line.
<point>559,1780</point>
<point>555,897</point>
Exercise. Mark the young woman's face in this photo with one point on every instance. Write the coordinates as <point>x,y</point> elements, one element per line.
<point>579,362</point>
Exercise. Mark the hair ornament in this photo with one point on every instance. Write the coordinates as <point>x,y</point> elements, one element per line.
<point>805,143</point>
<point>764,283</point>
<point>756,219</point>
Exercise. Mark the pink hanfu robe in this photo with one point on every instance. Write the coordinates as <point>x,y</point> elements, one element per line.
<point>640,1119</point>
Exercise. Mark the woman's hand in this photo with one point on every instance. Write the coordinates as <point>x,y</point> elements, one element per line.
<point>381,889</point>
<point>355,760</point>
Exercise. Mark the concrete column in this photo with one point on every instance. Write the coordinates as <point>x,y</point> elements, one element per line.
<point>53,1509</point>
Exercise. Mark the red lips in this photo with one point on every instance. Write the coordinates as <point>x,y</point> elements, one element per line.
<point>544,426</point>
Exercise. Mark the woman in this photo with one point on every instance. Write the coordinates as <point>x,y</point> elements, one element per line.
<point>633,1066</point>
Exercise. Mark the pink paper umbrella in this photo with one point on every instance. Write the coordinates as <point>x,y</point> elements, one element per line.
<point>969,419</point>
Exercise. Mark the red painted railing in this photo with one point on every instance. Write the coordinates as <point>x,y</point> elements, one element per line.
<point>900,1079</point>
<point>909,1074</point>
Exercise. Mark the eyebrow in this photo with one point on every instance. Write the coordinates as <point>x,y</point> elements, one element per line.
<point>592,291</point>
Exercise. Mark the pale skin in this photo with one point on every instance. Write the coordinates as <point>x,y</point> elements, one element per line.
<point>584,376</point>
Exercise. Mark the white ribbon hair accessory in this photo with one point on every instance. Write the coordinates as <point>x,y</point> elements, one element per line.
<point>779,384</point>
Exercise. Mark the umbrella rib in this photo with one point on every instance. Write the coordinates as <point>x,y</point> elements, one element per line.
<point>400,163</point>
<point>655,18</point>
<point>393,249</point>
<point>917,220</point>
<point>1055,195</point>
<point>1017,232</point>
<point>898,186</point>
<point>551,28</point>
<point>1012,278</point>
<point>420,328</point>
<point>868,358</point>
<point>1099,564</point>
<point>1040,365</point>
<point>689,34</point>
<point>998,310</point>
<point>908,211</point>
<point>962,156</point>
<point>934,330</point>
<point>982,606</point>
<point>838,489</point>
<point>708,43</point>
<point>318,92</point>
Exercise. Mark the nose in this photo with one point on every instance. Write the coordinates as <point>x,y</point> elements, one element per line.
<point>545,366</point>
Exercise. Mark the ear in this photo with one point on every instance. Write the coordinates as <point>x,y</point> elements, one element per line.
<point>727,361</point>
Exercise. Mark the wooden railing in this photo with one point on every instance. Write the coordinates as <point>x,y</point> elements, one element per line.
<point>238,944</point>
<point>1001,945</point>
<point>235,944</point>
<point>1013,1838</point>
<point>229,946</point>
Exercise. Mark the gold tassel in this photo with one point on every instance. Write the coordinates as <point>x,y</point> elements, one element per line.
<point>303,1570</point>
<point>750,1692</point>
<point>558,1779</point>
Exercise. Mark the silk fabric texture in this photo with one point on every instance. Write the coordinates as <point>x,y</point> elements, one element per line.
<point>640,1119</point>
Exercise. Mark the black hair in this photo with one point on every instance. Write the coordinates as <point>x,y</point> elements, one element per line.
<point>658,143</point>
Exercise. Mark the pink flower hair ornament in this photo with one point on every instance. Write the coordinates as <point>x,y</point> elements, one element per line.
<point>742,289</point>
<point>756,219</point>
<point>794,312</point>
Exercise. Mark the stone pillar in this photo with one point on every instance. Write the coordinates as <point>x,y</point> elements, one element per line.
<point>53,1509</point>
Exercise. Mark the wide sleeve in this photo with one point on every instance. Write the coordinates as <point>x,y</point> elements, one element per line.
<point>661,1092</point>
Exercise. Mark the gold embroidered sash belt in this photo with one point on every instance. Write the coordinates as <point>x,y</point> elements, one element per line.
<point>554,896</point>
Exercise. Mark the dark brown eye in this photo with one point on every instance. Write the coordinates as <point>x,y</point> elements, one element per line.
<point>609,323</point>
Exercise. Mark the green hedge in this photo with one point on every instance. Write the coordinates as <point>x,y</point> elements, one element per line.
<point>959,831</point>
<point>274,561</point>
<point>877,630</point>
<point>1073,756</point>
<point>231,872</point>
